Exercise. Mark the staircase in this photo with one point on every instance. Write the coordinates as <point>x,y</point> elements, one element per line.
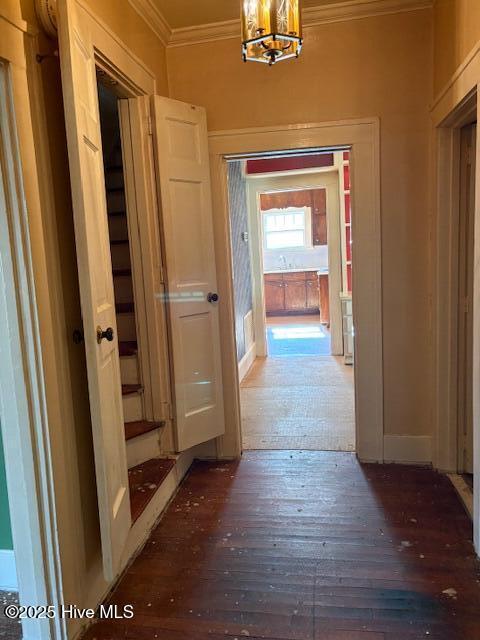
<point>142,436</point>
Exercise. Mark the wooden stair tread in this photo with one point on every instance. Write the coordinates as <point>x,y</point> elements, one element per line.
<point>144,480</point>
<point>124,307</point>
<point>138,428</point>
<point>130,389</point>
<point>122,272</point>
<point>128,348</point>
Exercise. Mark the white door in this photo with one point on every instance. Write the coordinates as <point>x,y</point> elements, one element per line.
<point>96,285</point>
<point>184,181</point>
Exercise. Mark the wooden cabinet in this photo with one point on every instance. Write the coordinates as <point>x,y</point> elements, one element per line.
<point>294,293</point>
<point>274,294</point>
<point>324,299</point>
<point>319,217</point>
<point>312,294</point>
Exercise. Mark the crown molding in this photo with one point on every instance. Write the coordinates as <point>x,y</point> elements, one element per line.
<point>154,18</point>
<point>351,10</point>
<point>205,33</point>
<point>311,17</point>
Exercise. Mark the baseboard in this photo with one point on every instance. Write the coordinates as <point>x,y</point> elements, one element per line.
<point>246,362</point>
<point>407,449</point>
<point>8,571</point>
<point>464,492</point>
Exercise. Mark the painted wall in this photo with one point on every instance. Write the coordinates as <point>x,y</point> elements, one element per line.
<point>6,541</point>
<point>457,31</point>
<point>237,192</point>
<point>380,66</point>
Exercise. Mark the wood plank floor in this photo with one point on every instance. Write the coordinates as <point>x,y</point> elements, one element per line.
<point>299,402</point>
<point>305,546</point>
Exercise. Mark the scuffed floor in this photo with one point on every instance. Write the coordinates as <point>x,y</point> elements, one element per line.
<point>304,402</point>
<point>9,629</point>
<point>304,546</point>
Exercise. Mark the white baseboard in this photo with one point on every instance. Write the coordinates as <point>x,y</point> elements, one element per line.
<point>407,449</point>
<point>246,362</point>
<point>8,572</point>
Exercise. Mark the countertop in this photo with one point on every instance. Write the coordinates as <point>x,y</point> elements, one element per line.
<point>321,272</point>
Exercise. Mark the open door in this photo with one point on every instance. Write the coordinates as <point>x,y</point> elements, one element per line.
<point>183,175</point>
<point>96,285</point>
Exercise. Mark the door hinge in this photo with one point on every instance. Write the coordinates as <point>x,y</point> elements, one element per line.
<point>466,304</point>
<point>149,126</point>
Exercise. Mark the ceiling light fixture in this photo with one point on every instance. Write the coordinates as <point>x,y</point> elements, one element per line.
<point>271,30</point>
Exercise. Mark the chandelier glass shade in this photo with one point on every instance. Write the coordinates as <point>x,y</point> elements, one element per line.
<point>271,30</point>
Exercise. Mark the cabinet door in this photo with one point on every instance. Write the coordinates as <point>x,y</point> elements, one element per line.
<point>274,296</point>
<point>324,300</point>
<point>295,295</point>
<point>319,217</point>
<point>313,300</point>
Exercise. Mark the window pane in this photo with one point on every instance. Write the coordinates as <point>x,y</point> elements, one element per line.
<point>285,239</point>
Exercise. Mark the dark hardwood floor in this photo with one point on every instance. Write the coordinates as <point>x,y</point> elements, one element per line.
<point>9,629</point>
<point>305,546</point>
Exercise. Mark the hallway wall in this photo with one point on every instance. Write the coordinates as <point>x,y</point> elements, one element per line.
<point>457,31</point>
<point>242,286</point>
<point>379,66</point>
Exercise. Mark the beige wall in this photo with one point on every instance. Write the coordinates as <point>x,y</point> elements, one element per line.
<point>457,31</point>
<point>382,67</point>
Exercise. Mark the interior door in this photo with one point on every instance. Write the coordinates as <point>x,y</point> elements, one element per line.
<point>193,303</point>
<point>95,277</point>
<point>465,291</point>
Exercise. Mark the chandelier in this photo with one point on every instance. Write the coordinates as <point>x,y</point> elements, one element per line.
<point>271,30</point>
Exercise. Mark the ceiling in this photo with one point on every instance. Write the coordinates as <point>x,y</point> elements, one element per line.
<point>187,13</point>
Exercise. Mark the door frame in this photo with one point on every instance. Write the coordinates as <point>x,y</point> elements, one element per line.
<point>256,184</point>
<point>23,403</point>
<point>362,137</point>
<point>448,119</point>
<point>446,309</point>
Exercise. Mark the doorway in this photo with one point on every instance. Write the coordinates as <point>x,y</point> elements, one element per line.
<point>468,141</point>
<point>290,221</point>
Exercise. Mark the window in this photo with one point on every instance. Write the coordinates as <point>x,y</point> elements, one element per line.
<point>286,229</point>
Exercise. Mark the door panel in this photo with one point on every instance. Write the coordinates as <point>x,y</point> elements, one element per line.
<point>295,295</point>
<point>313,294</point>
<point>319,217</point>
<point>95,278</point>
<point>183,176</point>
<point>274,296</point>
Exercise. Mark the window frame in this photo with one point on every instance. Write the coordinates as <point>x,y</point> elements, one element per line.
<point>308,244</point>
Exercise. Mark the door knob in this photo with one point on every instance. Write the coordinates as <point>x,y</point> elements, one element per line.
<point>212,297</point>
<point>104,335</point>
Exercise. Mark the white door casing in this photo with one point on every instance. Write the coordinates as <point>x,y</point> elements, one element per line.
<point>95,278</point>
<point>183,176</point>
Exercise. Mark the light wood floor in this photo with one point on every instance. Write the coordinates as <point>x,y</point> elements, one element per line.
<point>304,402</point>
